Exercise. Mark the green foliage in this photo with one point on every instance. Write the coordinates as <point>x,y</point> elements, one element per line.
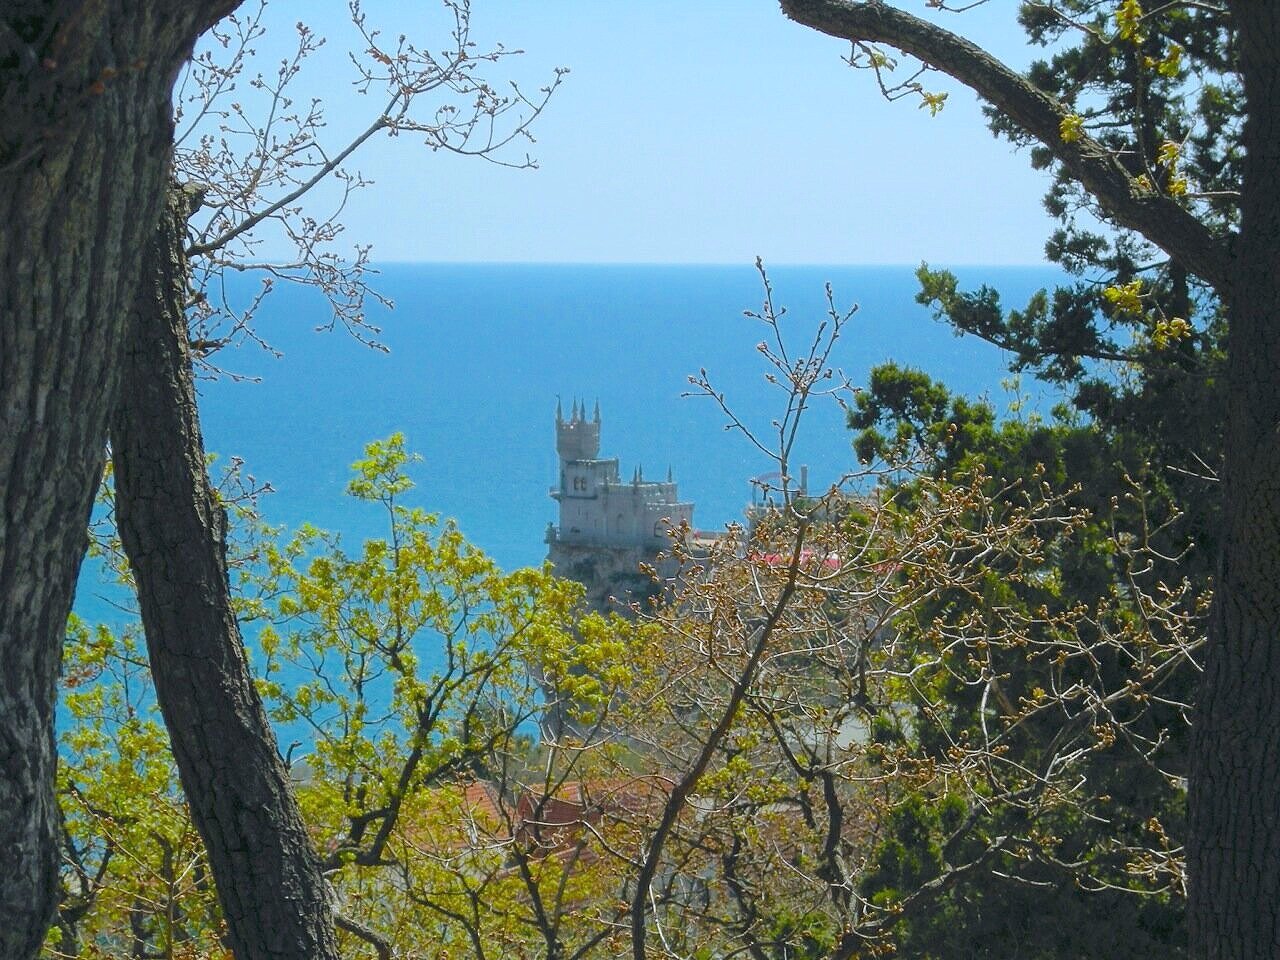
<point>1016,910</point>
<point>1157,87</point>
<point>1137,347</point>
<point>134,876</point>
<point>904,409</point>
<point>1131,521</point>
<point>407,670</point>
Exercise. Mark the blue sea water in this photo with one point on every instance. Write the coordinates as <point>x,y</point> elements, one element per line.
<point>478,355</point>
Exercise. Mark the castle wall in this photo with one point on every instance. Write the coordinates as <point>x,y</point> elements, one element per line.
<point>583,478</point>
<point>619,514</point>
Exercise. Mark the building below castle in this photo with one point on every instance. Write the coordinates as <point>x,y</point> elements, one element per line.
<point>608,526</point>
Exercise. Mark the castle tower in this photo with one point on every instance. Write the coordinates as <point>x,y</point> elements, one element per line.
<point>577,438</point>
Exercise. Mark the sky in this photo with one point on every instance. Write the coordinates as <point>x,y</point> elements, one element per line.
<point>688,131</point>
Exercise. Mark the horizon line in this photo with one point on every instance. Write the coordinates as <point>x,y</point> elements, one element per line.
<point>704,263</point>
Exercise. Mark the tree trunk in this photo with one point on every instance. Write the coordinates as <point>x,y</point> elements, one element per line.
<point>273,895</point>
<point>1234,843</point>
<point>85,130</point>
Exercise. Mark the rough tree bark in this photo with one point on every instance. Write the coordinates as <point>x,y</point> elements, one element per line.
<point>1233,845</point>
<point>269,883</point>
<point>85,132</point>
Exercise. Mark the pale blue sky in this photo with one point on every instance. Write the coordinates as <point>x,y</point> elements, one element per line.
<point>703,131</point>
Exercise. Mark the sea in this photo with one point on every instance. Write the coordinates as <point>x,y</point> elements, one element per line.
<point>477,357</point>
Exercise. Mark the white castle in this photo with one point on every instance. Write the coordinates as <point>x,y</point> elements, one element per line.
<point>609,527</point>
<point>597,507</point>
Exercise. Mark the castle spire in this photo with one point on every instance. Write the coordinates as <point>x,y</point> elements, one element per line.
<point>596,415</point>
<point>670,478</point>
<point>573,416</point>
<point>559,410</point>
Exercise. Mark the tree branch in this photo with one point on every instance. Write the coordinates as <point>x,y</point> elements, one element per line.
<point>687,783</point>
<point>1159,218</point>
<point>380,944</point>
<point>251,221</point>
<point>211,12</point>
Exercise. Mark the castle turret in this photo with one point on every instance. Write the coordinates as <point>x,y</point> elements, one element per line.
<point>577,438</point>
